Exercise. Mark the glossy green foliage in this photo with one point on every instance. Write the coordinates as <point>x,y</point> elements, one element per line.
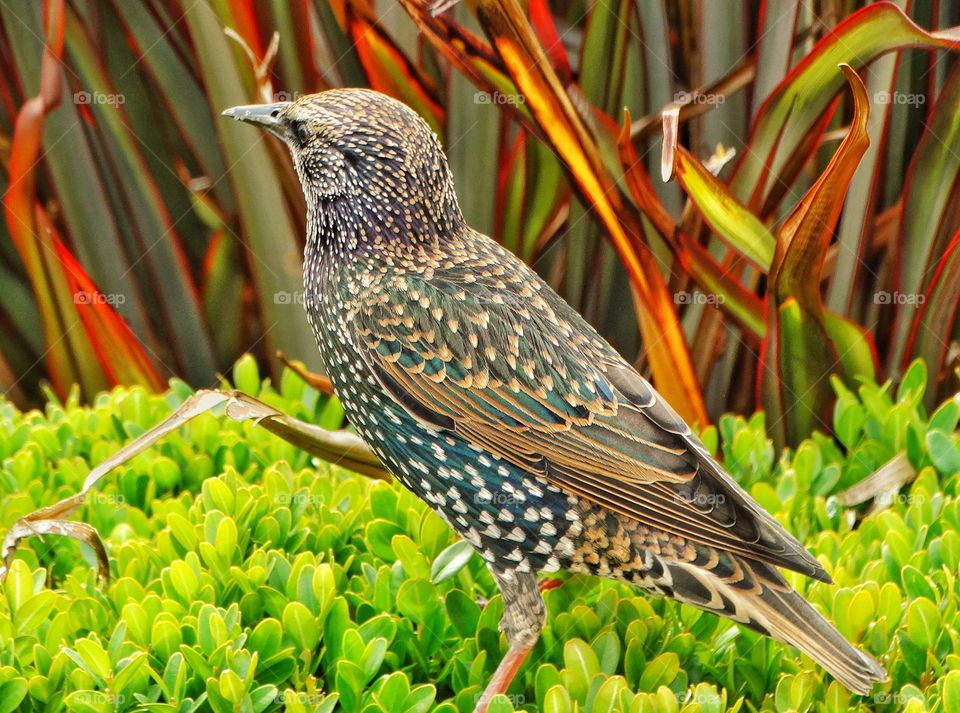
<point>245,577</point>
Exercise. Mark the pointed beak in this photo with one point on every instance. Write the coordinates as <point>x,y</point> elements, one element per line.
<point>263,115</point>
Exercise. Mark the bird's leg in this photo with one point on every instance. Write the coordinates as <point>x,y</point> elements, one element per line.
<point>524,615</point>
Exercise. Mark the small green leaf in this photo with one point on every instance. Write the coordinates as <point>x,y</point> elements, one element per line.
<point>464,612</point>
<point>19,585</point>
<point>417,599</point>
<point>923,623</point>
<point>557,700</point>
<point>246,375</point>
<point>943,452</point>
<point>580,666</point>
<point>951,692</point>
<point>165,473</point>
<point>34,611</point>
<point>126,674</point>
<point>301,625</point>
<point>12,693</point>
<point>607,647</point>
<point>379,536</point>
<point>916,585</point>
<point>450,561</point>
<point>914,382</point>
<point>660,672</point>
<point>861,611</point>
<point>413,561</point>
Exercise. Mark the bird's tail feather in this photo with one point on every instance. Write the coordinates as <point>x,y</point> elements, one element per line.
<point>757,596</point>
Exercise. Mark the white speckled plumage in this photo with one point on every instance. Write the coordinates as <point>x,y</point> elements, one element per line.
<point>493,401</point>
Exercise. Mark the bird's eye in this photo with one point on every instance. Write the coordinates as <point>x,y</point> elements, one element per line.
<point>301,131</point>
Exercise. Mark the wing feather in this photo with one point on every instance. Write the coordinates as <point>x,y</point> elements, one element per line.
<point>501,360</point>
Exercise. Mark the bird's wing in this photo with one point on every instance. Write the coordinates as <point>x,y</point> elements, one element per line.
<point>491,353</point>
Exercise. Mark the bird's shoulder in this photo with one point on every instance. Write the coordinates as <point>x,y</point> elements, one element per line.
<point>473,315</point>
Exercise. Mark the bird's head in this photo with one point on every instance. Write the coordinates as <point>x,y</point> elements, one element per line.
<point>368,164</point>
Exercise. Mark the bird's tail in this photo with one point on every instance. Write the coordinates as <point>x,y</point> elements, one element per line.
<point>757,596</point>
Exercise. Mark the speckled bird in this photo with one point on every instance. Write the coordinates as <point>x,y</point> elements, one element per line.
<point>492,400</point>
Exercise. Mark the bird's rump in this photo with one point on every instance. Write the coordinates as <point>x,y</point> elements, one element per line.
<point>487,350</point>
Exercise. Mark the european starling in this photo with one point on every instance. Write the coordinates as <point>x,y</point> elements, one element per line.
<point>496,403</point>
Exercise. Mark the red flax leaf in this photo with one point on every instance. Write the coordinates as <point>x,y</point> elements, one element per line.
<point>511,193</point>
<point>57,279</point>
<point>245,24</point>
<point>120,353</point>
<point>27,136</point>
<point>68,359</point>
<point>532,196</point>
<point>545,97</point>
<point>730,221</point>
<point>928,220</point>
<point>799,354</point>
<point>389,71</point>
<point>546,29</point>
<point>936,318</point>
<point>737,301</point>
<point>471,56</point>
<point>795,109</point>
<point>803,238</point>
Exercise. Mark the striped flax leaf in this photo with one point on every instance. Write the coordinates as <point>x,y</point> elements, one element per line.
<point>266,225</point>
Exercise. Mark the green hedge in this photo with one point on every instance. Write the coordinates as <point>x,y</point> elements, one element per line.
<point>245,577</point>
